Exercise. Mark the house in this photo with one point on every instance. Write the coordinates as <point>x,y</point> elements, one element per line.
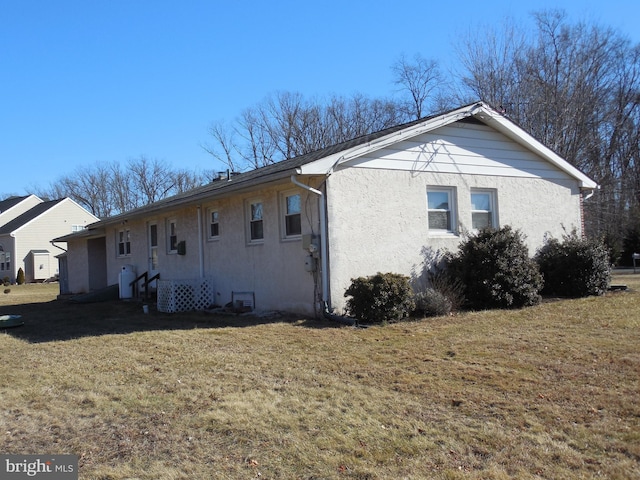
<point>27,227</point>
<point>11,207</point>
<point>291,236</point>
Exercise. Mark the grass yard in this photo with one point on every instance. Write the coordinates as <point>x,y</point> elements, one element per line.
<point>545,392</point>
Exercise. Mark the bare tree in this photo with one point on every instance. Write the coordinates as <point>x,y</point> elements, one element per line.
<point>420,78</point>
<point>576,87</point>
<point>287,125</point>
<point>225,145</point>
<point>109,189</point>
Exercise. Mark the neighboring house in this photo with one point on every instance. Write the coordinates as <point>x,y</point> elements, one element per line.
<point>292,235</point>
<point>11,207</point>
<point>27,230</point>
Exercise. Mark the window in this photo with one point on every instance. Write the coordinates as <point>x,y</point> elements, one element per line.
<point>172,236</point>
<point>77,228</point>
<point>124,242</point>
<point>292,219</point>
<point>255,222</point>
<point>214,224</point>
<point>483,209</point>
<point>441,212</point>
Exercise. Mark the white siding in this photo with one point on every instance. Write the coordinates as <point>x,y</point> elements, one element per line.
<point>461,148</point>
<point>17,210</point>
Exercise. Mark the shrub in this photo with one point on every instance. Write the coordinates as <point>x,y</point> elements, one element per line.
<point>20,276</point>
<point>432,303</point>
<point>575,267</point>
<point>383,297</point>
<point>496,271</point>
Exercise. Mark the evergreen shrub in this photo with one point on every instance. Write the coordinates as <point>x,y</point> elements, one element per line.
<point>20,276</point>
<point>574,267</point>
<point>496,271</point>
<point>384,297</point>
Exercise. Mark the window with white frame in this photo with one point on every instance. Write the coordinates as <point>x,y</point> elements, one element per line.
<point>256,227</point>
<point>291,210</point>
<point>172,235</point>
<point>483,209</point>
<point>441,209</point>
<point>124,242</point>
<point>77,228</point>
<point>214,224</point>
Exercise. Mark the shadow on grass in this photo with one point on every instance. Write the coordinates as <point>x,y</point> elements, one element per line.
<point>61,320</point>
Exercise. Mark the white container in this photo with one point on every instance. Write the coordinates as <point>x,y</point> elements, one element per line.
<point>125,277</point>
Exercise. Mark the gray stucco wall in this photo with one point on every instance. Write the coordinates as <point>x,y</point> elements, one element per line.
<point>378,218</point>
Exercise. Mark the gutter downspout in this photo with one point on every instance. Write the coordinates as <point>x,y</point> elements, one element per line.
<point>56,246</point>
<point>326,307</point>
<point>200,242</point>
<point>323,237</point>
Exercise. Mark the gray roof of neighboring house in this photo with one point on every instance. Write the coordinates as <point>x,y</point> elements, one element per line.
<point>10,202</point>
<point>26,217</point>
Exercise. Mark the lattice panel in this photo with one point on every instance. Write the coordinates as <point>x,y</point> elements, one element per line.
<point>185,295</point>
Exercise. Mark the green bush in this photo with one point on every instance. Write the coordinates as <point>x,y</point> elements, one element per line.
<point>384,297</point>
<point>575,267</point>
<point>495,268</point>
<point>20,276</point>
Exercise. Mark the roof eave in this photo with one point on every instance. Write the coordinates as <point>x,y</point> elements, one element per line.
<point>232,186</point>
<point>326,165</point>
<point>505,126</point>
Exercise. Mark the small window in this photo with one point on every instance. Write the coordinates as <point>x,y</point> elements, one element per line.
<point>441,213</point>
<point>214,224</point>
<point>77,228</point>
<point>292,218</point>
<point>172,236</point>
<point>124,242</point>
<point>255,222</point>
<point>483,209</point>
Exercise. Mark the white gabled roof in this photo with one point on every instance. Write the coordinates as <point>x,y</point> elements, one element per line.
<point>479,111</point>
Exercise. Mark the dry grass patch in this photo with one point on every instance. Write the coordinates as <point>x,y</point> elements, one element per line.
<point>544,392</point>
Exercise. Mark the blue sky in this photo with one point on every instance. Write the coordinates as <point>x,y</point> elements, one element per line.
<point>109,80</point>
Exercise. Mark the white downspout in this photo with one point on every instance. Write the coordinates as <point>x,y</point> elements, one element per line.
<point>200,242</point>
<point>323,238</point>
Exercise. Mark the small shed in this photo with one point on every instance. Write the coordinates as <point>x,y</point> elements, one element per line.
<point>40,263</point>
